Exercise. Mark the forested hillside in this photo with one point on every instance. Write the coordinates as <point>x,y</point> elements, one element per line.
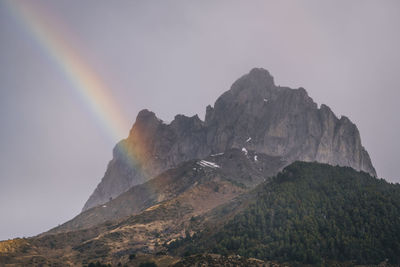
<point>313,213</point>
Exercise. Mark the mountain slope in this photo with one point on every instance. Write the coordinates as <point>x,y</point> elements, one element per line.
<point>163,210</point>
<point>254,114</point>
<point>312,214</point>
<point>244,169</point>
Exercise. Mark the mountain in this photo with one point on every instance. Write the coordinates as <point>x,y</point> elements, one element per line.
<point>230,189</point>
<point>254,114</point>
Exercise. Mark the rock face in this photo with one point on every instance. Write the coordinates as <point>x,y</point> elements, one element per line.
<point>151,148</point>
<point>253,115</point>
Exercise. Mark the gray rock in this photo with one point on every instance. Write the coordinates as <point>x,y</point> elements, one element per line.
<point>150,148</point>
<point>254,114</point>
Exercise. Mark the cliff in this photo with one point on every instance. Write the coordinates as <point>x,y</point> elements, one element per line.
<point>254,114</point>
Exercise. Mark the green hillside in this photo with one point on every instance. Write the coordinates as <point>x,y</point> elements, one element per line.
<point>313,213</point>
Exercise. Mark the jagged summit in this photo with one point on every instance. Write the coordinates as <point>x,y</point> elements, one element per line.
<point>255,86</point>
<point>253,114</point>
<point>257,76</point>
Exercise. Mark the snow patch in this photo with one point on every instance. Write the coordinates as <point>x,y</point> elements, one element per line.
<point>255,158</point>
<point>265,100</point>
<point>209,164</point>
<point>104,206</point>
<point>248,140</point>
<point>218,154</point>
<point>244,150</point>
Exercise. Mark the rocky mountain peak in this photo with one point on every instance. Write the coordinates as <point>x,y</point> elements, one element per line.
<point>182,121</point>
<point>256,85</point>
<point>145,116</point>
<point>254,114</point>
<point>145,119</point>
<point>260,76</point>
<point>253,93</point>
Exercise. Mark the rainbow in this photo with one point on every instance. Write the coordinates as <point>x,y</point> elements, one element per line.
<point>56,41</point>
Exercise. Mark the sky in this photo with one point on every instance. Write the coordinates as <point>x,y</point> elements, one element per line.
<point>74,74</point>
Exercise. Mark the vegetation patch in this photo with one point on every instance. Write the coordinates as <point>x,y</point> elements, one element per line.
<point>312,213</point>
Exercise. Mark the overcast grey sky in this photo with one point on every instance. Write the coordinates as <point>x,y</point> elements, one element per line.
<point>177,57</point>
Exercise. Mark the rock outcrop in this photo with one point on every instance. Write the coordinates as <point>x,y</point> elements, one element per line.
<point>254,114</point>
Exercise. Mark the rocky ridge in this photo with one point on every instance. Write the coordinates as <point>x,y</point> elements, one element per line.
<point>254,114</point>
